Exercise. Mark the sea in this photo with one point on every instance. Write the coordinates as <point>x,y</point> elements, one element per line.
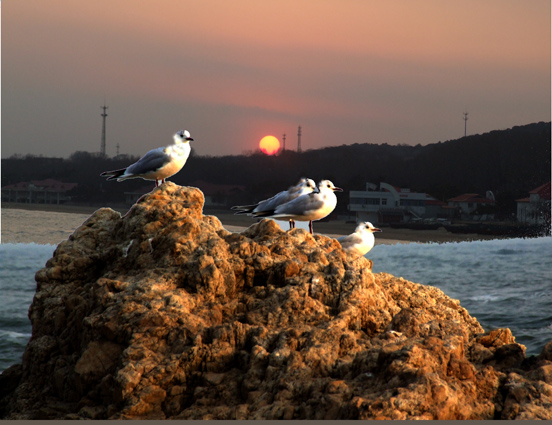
<point>503,283</point>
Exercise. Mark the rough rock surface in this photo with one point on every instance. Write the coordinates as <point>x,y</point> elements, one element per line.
<point>163,313</point>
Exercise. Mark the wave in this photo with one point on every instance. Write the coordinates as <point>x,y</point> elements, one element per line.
<point>13,334</point>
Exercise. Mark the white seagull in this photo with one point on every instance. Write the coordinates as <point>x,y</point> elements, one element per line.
<point>157,164</point>
<point>361,241</point>
<point>303,187</point>
<point>310,207</point>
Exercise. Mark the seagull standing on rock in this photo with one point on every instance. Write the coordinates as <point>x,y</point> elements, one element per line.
<point>304,187</point>
<point>361,241</point>
<point>310,207</point>
<point>157,164</point>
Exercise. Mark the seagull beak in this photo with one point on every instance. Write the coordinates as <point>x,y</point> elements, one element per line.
<point>375,229</point>
<point>190,139</point>
<point>337,189</point>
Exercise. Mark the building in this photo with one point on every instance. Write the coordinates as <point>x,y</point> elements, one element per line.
<point>47,191</point>
<point>467,204</point>
<point>390,204</point>
<point>535,209</point>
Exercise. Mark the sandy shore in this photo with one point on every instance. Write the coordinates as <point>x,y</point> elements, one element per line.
<point>237,223</point>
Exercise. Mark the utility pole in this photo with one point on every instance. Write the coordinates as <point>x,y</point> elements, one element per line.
<point>299,140</point>
<point>103,115</point>
<point>117,148</point>
<point>465,123</point>
<point>284,139</point>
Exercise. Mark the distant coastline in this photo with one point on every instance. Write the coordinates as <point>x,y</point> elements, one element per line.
<point>76,209</point>
<point>237,223</point>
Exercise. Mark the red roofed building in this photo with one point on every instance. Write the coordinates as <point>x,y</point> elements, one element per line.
<point>47,191</point>
<point>535,209</point>
<point>467,203</point>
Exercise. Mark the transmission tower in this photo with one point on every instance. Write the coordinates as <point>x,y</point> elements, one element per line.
<point>284,140</point>
<point>103,115</point>
<point>465,123</point>
<point>299,140</point>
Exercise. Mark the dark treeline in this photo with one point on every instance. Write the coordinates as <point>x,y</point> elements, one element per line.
<point>508,162</point>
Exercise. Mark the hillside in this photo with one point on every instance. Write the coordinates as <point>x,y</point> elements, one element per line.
<point>508,162</point>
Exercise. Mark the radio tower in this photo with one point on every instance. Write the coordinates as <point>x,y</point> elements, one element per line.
<point>465,123</point>
<point>103,115</point>
<point>284,139</point>
<point>299,140</point>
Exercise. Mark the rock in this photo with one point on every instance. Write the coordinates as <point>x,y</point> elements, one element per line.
<point>164,314</point>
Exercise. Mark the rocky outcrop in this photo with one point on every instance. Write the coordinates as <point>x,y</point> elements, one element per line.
<point>163,313</point>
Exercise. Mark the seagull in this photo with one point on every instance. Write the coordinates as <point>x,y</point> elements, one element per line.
<point>361,241</point>
<point>157,164</point>
<point>303,187</point>
<point>310,207</point>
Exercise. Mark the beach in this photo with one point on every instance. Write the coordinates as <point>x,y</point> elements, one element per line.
<point>15,227</point>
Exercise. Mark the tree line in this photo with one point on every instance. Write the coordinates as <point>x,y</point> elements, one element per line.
<point>508,162</point>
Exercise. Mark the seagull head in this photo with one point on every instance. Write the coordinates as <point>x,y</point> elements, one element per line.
<point>308,183</point>
<point>368,227</point>
<point>182,136</point>
<point>327,185</point>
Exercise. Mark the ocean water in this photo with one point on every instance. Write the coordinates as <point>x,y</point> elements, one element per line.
<point>18,265</point>
<point>503,283</point>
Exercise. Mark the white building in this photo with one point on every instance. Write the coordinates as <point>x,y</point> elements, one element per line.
<point>390,204</point>
<point>536,208</point>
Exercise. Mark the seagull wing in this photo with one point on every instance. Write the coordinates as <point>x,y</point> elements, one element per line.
<point>264,205</point>
<point>150,162</point>
<point>349,241</point>
<point>272,203</point>
<point>299,207</point>
<point>267,206</point>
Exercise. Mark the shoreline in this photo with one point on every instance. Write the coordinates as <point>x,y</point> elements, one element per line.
<point>238,223</point>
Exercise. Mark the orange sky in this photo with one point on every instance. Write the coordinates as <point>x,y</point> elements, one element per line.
<point>347,71</point>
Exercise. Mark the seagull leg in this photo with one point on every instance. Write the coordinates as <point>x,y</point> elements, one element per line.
<point>162,181</point>
<point>310,228</point>
<point>156,183</point>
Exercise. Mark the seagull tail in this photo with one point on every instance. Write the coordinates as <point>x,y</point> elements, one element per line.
<point>112,175</point>
<point>259,214</point>
<point>243,209</point>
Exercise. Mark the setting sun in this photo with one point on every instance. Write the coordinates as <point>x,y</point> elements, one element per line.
<point>269,145</point>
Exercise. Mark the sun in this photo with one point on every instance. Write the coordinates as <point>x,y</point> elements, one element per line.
<point>269,145</point>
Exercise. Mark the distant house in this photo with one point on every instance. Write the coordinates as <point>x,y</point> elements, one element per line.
<point>391,204</point>
<point>468,203</point>
<point>535,209</point>
<point>47,191</point>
